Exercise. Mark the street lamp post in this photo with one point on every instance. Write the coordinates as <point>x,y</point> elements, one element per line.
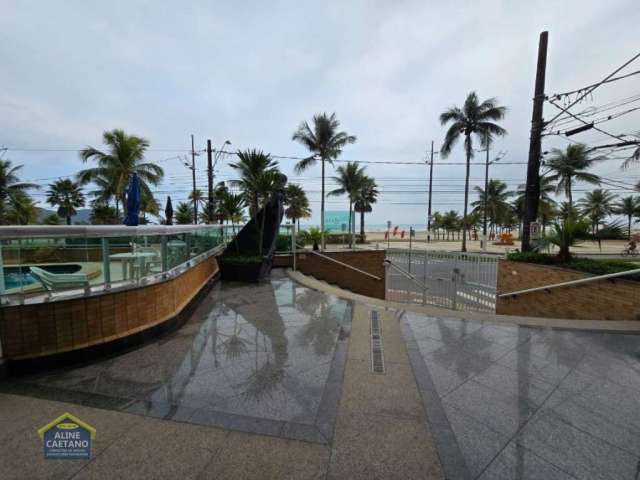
<point>486,187</point>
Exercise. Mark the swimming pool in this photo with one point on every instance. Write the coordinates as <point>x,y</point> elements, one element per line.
<point>14,277</point>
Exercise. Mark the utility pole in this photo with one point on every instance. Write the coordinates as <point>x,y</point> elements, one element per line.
<point>210,183</point>
<point>193,172</point>
<point>532,192</point>
<point>430,185</point>
<point>486,187</point>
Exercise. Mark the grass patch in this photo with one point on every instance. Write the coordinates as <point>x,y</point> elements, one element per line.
<point>581,264</point>
<point>240,259</point>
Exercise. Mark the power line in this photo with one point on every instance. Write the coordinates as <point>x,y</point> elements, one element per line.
<point>596,85</point>
<point>615,79</point>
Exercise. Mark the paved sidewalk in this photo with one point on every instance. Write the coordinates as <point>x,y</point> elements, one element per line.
<point>380,428</point>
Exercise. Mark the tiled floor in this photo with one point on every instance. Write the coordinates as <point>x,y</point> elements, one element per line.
<point>254,358</point>
<point>525,403</point>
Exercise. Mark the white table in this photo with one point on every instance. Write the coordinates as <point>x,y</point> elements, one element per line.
<point>129,259</point>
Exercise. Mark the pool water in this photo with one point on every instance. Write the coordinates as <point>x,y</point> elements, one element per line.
<point>14,277</point>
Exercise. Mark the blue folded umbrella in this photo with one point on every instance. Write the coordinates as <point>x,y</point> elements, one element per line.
<point>133,202</point>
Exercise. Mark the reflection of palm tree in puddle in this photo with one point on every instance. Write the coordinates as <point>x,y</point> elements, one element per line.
<point>270,341</point>
<point>323,325</point>
<point>464,365</point>
<point>234,346</point>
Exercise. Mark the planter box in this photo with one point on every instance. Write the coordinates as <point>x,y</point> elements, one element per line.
<point>250,272</point>
<point>614,299</point>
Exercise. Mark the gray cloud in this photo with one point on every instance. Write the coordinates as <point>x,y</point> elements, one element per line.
<point>251,71</point>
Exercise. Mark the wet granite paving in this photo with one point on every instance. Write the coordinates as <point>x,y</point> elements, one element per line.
<point>266,358</point>
<point>510,402</point>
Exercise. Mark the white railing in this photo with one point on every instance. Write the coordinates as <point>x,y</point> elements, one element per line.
<point>570,283</point>
<point>459,281</point>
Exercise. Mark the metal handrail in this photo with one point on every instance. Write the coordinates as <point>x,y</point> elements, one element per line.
<point>17,232</point>
<point>569,283</point>
<point>343,264</point>
<point>406,274</point>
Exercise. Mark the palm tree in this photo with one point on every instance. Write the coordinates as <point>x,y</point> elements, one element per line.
<point>67,196</point>
<point>546,206</point>
<point>184,213</point>
<point>629,207</point>
<point>349,179</point>
<point>365,198</point>
<point>251,165</point>
<point>570,166</point>
<point>231,208</point>
<point>103,214</point>
<point>451,222</point>
<point>597,205</point>
<point>297,203</point>
<point>473,119</point>
<point>200,198</point>
<point>10,186</point>
<point>115,168</point>
<point>437,222</point>
<point>494,201</point>
<point>22,209</point>
<point>52,219</point>
<point>325,142</point>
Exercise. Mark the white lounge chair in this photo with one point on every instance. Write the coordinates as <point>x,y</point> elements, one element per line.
<point>60,281</point>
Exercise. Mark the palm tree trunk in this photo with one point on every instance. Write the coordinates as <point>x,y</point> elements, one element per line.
<point>68,220</point>
<point>322,211</point>
<point>362,222</point>
<point>466,200</point>
<point>569,195</point>
<point>630,227</point>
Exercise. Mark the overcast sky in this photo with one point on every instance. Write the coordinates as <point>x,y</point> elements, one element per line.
<point>250,72</point>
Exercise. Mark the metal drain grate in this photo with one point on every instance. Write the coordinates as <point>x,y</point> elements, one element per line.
<point>377,352</point>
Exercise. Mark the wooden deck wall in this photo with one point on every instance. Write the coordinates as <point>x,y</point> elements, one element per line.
<point>30,331</point>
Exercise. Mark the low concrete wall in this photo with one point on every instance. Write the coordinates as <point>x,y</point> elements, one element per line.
<point>370,261</point>
<point>613,299</point>
<point>30,331</point>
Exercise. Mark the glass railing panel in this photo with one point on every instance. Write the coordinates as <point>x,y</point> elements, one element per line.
<point>178,249</point>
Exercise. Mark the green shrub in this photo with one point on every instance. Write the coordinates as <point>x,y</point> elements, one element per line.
<point>581,264</point>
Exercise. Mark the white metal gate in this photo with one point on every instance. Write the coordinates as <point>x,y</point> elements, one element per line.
<point>460,281</point>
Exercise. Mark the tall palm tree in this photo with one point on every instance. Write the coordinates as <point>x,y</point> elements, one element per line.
<point>495,201</point>
<point>629,207</point>
<point>349,179</point>
<point>325,142</point>
<point>569,166</point>
<point>10,186</point>
<point>251,166</point>
<point>597,205</point>
<point>125,157</point>
<point>474,118</point>
<point>366,196</point>
<point>297,203</point>
<point>67,196</point>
